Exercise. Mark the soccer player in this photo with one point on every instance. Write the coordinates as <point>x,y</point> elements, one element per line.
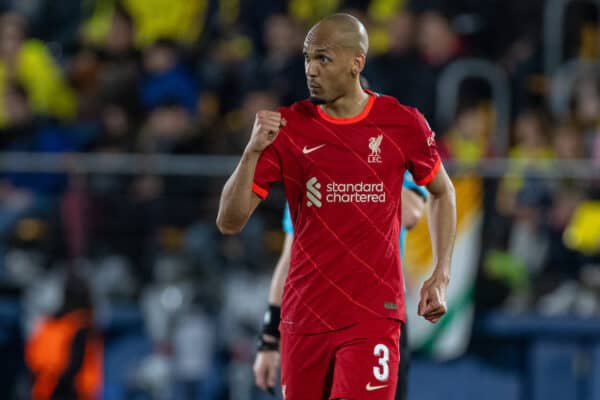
<point>341,156</point>
<point>267,358</point>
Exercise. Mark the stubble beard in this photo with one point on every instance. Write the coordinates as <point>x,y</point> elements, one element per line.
<point>317,100</point>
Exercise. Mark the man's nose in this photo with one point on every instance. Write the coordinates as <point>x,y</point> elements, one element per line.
<point>311,69</point>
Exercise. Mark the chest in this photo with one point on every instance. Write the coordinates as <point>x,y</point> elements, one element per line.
<point>347,153</point>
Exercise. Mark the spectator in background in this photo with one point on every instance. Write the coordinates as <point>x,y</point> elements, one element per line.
<point>168,124</point>
<point>118,129</point>
<point>467,138</point>
<point>108,69</point>
<point>120,38</point>
<point>226,70</point>
<point>567,143</point>
<point>438,45</point>
<point>560,261</point>
<point>170,129</point>
<point>179,20</point>
<point>528,237</point>
<point>532,151</point>
<point>397,72</point>
<point>586,112</point>
<point>438,42</point>
<point>281,67</point>
<point>24,193</point>
<point>25,61</point>
<point>194,346</point>
<point>64,353</point>
<point>586,102</point>
<point>167,79</point>
<point>310,11</point>
<point>110,207</point>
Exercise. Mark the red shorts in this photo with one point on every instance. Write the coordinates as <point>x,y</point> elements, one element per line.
<point>358,363</point>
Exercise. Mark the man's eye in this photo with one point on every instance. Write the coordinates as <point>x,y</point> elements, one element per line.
<point>323,59</point>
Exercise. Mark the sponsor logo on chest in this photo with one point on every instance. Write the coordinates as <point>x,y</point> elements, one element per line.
<point>335,192</point>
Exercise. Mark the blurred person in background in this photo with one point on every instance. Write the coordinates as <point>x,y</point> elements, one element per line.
<point>586,113</point>
<point>398,71</point>
<point>568,143</point>
<point>107,68</point>
<point>180,20</point>
<point>560,258</point>
<point>437,41</point>
<point>64,352</point>
<point>585,102</point>
<point>223,70</point>
<point>308,12</point>
<point>281,63</point>
<point>167,78</point>
<point>24,193</point>
<point>24,61</point>
<point>467,138</point>
<point>167,124</point>
<point>532,150</point>
<point>109,205</point>
<point>194,346</point>
<point>438,44</point>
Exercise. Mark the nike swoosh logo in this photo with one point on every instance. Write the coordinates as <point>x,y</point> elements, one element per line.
<point>371,388</point>
<point>306,150</point>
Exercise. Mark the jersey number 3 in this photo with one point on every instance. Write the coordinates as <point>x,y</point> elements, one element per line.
<point>382,372</point>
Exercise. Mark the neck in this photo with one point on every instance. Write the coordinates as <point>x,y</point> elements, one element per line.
<point>349,104</point>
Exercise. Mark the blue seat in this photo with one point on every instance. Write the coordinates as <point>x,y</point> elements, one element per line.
<point>121,356</point>
<point>552,373</point>
<point>465,379</point>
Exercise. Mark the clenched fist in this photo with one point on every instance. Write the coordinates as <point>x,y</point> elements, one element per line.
<point>265,130</point>
<point>433,298</point>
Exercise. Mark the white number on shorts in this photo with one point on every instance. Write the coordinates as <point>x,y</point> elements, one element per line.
<point>382,373</point>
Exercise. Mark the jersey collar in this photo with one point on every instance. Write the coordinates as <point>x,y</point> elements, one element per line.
<point>344,121</point>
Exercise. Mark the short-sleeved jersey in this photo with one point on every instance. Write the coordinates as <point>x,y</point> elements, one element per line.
<point>343,181</point>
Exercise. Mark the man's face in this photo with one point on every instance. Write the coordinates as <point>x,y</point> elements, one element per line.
<point>327,65</point>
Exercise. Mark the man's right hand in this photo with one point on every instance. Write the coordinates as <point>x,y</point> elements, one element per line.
<point>265,130</point>
<point>265,369</point>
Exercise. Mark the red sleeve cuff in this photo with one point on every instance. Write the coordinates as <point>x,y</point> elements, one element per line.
<point>426,180</point>
<point>260,192</point>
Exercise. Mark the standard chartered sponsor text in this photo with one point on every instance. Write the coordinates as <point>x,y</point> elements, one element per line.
<point>335,192</point>
<point>360,192</point>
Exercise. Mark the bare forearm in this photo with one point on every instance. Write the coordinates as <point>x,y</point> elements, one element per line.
<point>237,200</point>
<point>281,271</point>
<point>442,228</point>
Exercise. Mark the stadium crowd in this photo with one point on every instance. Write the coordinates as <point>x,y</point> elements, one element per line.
<point>186,77</point>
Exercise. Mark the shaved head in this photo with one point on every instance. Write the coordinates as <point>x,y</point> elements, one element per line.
<point>340,30</point>
<point>335,52</point>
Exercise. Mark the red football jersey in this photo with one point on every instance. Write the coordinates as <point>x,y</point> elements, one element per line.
<point>343,181</point>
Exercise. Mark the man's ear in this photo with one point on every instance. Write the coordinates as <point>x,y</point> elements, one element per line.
<point>359,63</point>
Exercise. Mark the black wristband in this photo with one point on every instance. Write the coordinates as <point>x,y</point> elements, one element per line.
<point>271,321</point>
<point>263,345</point>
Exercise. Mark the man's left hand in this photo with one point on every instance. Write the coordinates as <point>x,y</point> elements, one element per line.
<point>432,305</point>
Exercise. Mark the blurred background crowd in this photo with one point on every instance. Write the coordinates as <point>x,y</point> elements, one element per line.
<point>178,305</point>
